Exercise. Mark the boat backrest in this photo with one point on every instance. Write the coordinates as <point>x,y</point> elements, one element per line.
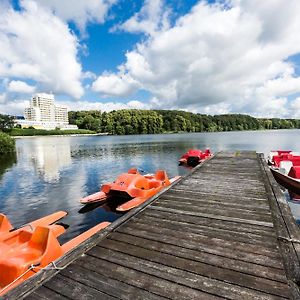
<point>45,241</point>
<point>5,225</point>
<point>39,238</point>
<point>132,171</point>
<point>195,152</point>
<point>207,151</point>
<point>295,160</point>
<point>142,183</point>
<point>285,166</point>
<point>161,175</point>
<point>280,152</point>
<point>153,184</point>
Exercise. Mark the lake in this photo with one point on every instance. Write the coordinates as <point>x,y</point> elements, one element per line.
<point>53,173</point>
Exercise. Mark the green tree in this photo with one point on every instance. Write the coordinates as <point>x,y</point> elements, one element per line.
<point>136,121</point>
<point>7,144</point>
<point>6,122</point>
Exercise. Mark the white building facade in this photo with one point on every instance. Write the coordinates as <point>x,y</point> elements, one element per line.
<point>44,114</point>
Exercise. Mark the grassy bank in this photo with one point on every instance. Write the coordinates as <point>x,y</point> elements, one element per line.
<point>32,132</point>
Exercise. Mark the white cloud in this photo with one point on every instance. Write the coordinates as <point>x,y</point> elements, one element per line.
<point>234,56</point>
<point>18,86</point>
<point>14,107</point>
<point>152,17</point>
<point>80,11</point>
<point>37,45</point>
<point>88,75</point>
<point>295,108</point>
<point>2,98</point>
<point>108,106</point>
<point>114,85</point>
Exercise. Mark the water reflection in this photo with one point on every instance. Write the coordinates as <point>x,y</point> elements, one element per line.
<point>53,173</point>
<point>49,157</point>
<point>6,162</point>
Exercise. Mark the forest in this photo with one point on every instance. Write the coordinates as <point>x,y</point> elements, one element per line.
<point>133,121</point>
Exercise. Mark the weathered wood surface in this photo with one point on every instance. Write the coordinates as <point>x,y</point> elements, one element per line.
<point>213,235</point>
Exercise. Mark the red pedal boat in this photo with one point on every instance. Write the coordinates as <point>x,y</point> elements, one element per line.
<point>23,252</point>
<point>133,186</point>
<point>285,167</point>
<point>194,157</point>
<point>278,156</point>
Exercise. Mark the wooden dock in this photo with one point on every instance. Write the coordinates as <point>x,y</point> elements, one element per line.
<point>225,231</point>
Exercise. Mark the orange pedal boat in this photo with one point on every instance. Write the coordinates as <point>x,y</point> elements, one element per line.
<point>6,227</point>
<point>24,253</point>
<point>133,186</point>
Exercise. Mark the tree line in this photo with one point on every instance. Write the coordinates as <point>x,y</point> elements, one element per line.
<point>133,121</point>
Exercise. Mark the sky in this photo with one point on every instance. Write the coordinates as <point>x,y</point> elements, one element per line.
<point>213,57</point>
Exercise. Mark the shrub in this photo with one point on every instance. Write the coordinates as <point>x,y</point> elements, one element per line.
<point>7,144</point>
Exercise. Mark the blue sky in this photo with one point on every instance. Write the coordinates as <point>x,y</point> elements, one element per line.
<point>202,56</point>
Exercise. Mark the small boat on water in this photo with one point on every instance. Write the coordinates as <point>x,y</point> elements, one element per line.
<point>193,157</point>
<point>285,167</point>
<point>24,252</point>
<point>290,181</point>
<point>133,187</point>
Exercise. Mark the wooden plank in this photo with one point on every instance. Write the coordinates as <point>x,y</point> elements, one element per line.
<point>212,216</point>
<point>213,193</point>
<point>45,293</point>
<point>226,200</point>
<point>213,259</point>
<point>138,278</point>
<point>74,289</point>
<point>190,201</point>
<point>228,189</point>
<point>193,281</point>
<point>225,242</point>
<point>245,191</point>
<point>216,211</point>
<point>208,247</point>
<point>203,269</point>
<point>105,284</point>
<point>231,177</point>
<point>222,182</point>
<point>227,233</point>
<point>265,232</point>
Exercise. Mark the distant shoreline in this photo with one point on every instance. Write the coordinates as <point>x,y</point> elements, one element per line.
<point>58,135</point>
<point>181,132</point>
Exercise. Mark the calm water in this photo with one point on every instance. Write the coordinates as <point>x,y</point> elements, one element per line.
<point>53,173</point>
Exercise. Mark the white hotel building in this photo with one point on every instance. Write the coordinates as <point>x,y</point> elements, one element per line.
<point>44,114</point>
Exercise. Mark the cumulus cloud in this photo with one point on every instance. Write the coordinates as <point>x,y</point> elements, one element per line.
<point>114,85</point>
<point>39,46</point>
<point>152,17</point>
<point>235,56</point>
<point>2,98</point>
<point>18,86</point>
<point>108,106</point>
<point>13,107</point>
<point>295,108</point>
<point>80,11</point>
